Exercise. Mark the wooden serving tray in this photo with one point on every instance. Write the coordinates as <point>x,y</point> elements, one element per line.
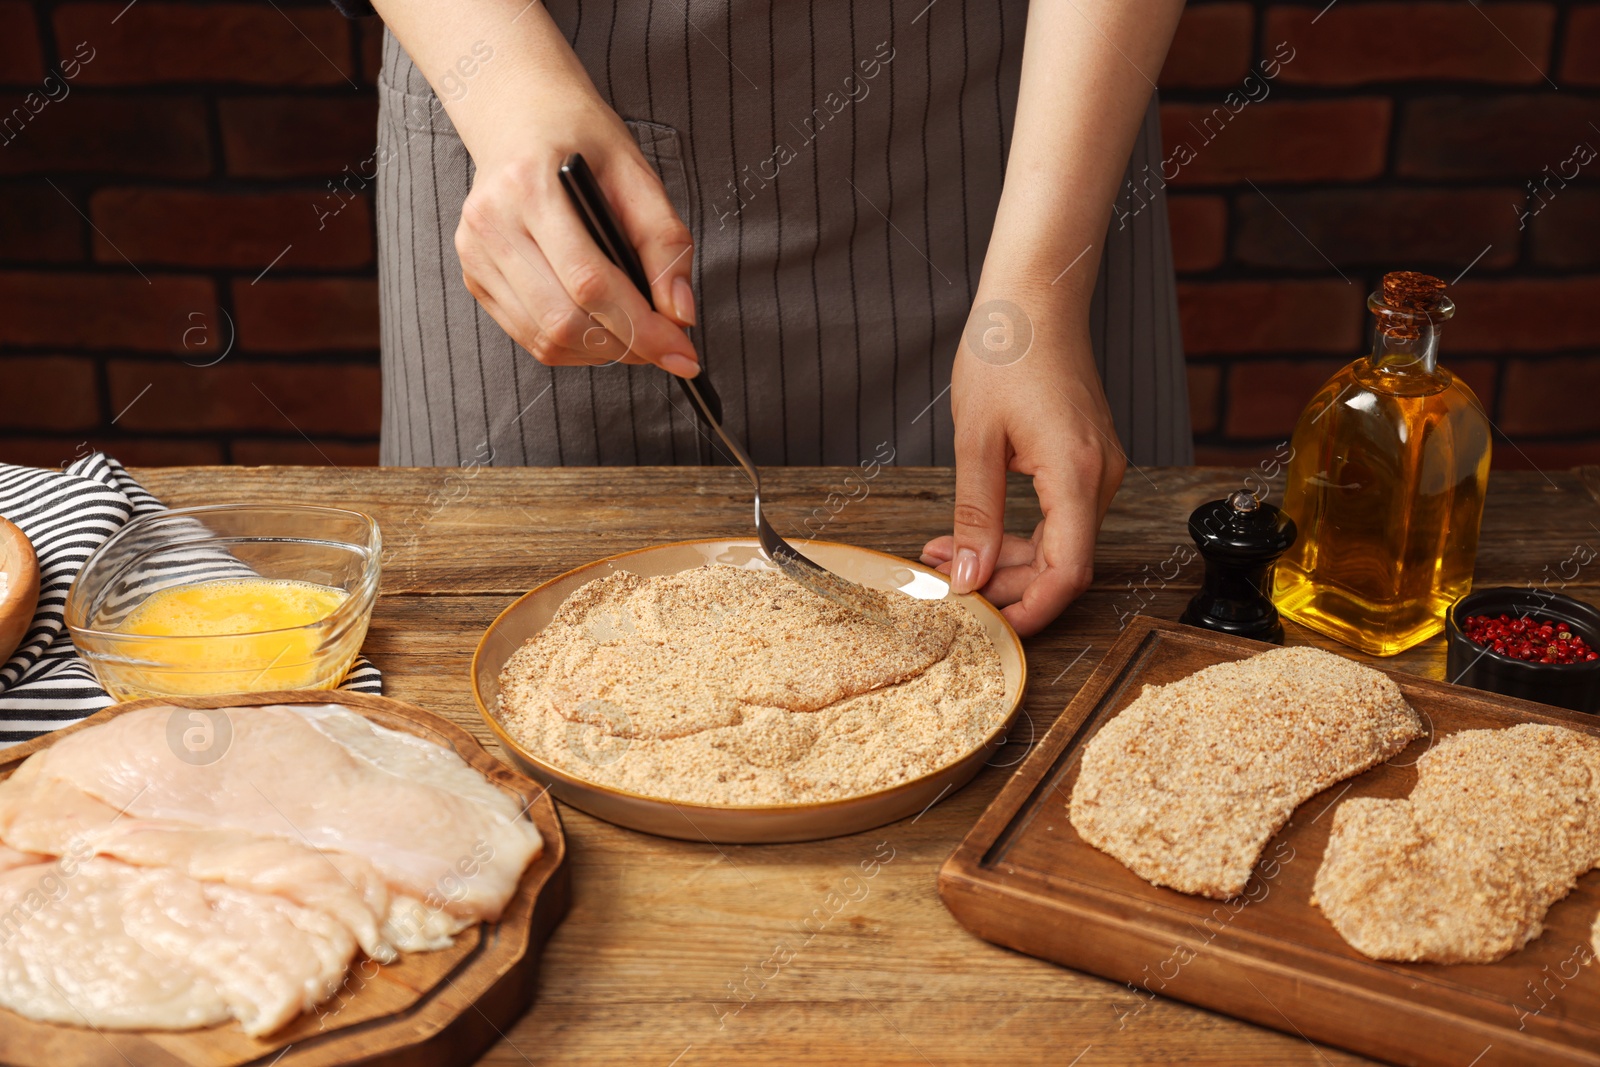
<point>428,1009</point>
<point>1024,879</point>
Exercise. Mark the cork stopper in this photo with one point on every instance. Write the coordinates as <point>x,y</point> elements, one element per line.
<point>1407,301</point>
<point>1412,291</point>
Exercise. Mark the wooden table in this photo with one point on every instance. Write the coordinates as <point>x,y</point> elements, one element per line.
<point>667,955</point>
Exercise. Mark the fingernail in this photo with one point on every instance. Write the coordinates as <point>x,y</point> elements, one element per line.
<point>683,300</point>
<point>964,574</point>
<point>682,366</point>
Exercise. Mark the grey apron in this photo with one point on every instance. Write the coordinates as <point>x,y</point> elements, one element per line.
<point>839,166</point>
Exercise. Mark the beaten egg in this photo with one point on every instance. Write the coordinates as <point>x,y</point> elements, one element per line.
<point>258,630</point>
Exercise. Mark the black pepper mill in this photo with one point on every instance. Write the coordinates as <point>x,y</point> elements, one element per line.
<point>1240,538</point>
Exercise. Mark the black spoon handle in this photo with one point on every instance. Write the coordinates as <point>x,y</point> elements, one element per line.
<point>598,219</point>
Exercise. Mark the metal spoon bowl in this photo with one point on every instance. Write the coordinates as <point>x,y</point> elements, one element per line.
<point>788,559</point>
<point>601,222</point>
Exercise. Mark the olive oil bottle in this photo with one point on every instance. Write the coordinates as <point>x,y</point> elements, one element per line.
<point>1386,480</point>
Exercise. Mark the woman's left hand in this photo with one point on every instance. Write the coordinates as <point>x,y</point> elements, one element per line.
<point>1040,409</point>
<point>1037,410</point>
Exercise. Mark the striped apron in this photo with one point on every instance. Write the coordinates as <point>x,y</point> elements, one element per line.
<point>840,222</point>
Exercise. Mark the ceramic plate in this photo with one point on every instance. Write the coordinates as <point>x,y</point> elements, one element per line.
<point>741,823</point>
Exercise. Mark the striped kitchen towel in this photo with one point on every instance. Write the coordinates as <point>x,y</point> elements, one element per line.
<point>67,514</point>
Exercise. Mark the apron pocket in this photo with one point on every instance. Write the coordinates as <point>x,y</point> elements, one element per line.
<point>413,112</point>
<point>663,150</point>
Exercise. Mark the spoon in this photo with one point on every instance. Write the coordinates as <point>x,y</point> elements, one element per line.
<point>584,191</point>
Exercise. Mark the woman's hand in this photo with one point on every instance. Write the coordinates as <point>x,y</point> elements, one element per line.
<point>1042,413</point>
<point>525,254</point>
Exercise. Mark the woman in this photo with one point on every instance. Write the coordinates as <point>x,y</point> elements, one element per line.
<point>847,211</point>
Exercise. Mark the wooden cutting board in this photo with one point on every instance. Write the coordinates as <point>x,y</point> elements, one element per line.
<point>1024,879</point>
<point>428,1009</point>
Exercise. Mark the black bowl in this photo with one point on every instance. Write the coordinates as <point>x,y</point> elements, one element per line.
<point>1565,685</point>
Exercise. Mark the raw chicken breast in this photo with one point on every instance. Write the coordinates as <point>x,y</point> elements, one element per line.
<point>344,887</point>
<point>49,815</point>
<point>99,943</point>
<point>185,894</point>
<point>10,858</point>
<point>406,755</point>
<point>435,829</point>
<point>413,926</point>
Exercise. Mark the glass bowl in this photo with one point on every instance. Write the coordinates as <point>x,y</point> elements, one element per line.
<point>324,546</point>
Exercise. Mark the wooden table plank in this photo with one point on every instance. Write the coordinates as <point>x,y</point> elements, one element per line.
<point>669,948</point>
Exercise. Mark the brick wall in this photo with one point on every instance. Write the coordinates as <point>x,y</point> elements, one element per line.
<point>198,142</point>
<point>195,141</point>
<point>1400,135</point>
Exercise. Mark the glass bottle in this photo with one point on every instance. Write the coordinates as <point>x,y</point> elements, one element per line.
<point>1386,480</point>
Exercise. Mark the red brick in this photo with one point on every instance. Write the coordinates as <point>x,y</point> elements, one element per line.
<point>1292,141</point>
<point>369,32</point>
<point>205,229</point>
<point>1244,456</point>
<point>1565,232</point>
<point>1265,399</point>
<point>1551,396</point>
<point>1581,64</point>
<point>301,136</point>
<point>160,451</point>
<point>1544,455</point>
<point>1205,391</point>
<point>1478,374</point>
<point>1353,44</point>
<point>1282,316</point>
<point>310,315</point>
<point>38,451</point>
<point>154,42</point>
<point>338,398</point>
<point>20,60</point>
<point>1502,136</point>
<point>49,393</point>
<point>1199,227</point>
<point>298,451</point>
<point>134,451</point>
<point>127,135</point>
<point>81,310</point>
<point>1211,48</point>
<point>1515,315</point>
<point>1386,228</point>
<point>40,225</point>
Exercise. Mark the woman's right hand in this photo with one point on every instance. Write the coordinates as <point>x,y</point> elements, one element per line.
<point>525,253</point>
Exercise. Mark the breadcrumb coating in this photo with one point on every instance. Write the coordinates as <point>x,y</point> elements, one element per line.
<point>728,686</point>
<point>1500,826</point>
<point>1190,781</point>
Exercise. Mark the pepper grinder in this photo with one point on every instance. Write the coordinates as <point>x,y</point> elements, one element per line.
<point>1240,538</point>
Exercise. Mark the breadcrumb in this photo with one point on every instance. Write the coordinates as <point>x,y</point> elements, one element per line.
<point>1190,781</point>
<point>728,686</point>
<point>1500,825</point>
